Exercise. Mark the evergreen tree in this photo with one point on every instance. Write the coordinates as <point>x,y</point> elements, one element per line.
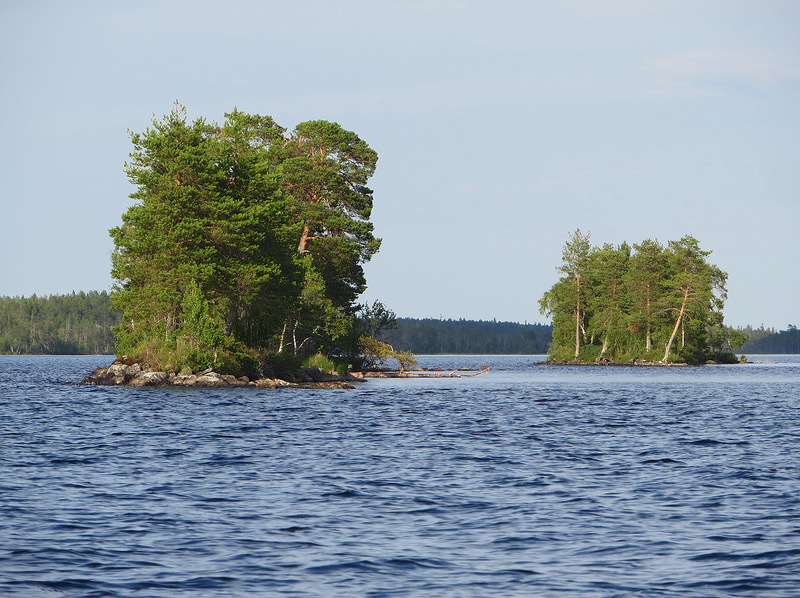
<point>645,282</point>
<point>261,276</point>
<point>690,291</point>
<point>169,239</point>
<point>324,169</point>
<point>768,340</point>
<point>608,304</point>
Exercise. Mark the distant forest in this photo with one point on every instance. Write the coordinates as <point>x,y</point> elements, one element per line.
<point>76,324</point>
<point>767,340</point>
<point>464,337</point>
<point>81,324</point>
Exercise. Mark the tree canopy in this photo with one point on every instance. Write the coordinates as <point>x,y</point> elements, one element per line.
<point>245,240</point>
<point>641,302</point>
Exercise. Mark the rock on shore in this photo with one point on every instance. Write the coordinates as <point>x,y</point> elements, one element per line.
<point>124,373</point>
<point>603,361</point>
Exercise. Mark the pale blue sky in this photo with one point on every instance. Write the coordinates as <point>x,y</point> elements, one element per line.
<point>501,126</point>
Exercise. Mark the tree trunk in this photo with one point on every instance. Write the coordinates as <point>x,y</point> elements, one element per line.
<point>283,336</point>
<point>231,320</point>
<point>305,237</point>
<point>648,341</point>
<point>302,246</point>
<point>677,324</point>
<point>578,316</point>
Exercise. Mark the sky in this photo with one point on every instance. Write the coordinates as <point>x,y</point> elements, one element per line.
<point>501,127</point>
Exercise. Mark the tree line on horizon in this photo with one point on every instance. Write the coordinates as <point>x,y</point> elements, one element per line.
<point>468,337</point>
<point>645,301</point>
<point>768,340</point>
<point>75,324</point>
<point>81,324</point>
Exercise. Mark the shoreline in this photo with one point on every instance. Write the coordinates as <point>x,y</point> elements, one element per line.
<point>631,363</point>
<point>122,373</point>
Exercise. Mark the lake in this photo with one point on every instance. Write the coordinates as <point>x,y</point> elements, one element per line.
<point>524,481</point>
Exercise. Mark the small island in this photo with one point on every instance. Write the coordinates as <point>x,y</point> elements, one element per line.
<point>241,259</point>
<point>645,304</point>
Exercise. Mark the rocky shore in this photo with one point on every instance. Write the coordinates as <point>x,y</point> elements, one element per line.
<point>631,362</point>
<point>123,373</point>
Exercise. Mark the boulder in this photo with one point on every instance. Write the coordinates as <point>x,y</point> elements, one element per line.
<point>234,381</point>
<point>314,374</point>
<point>117,374</point>
<point>208,379</point>
<point>149,379</point>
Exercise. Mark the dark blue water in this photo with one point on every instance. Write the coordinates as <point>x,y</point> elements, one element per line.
<point>526,481</point>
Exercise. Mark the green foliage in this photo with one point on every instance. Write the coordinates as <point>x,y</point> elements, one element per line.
<point>726,357</point>
<point>323,171</point>
<point>243,241</point>
<point>320,361</point>
<point>282,363</point>
<point>590,352</point>
<point>608,302</point>
<point>378,353</point>
<point>622,302</point>
<point>575,267</point>
<point>375,351</point>
<point>406,360</point>
<point>76,324</point>
<point>375,320</point>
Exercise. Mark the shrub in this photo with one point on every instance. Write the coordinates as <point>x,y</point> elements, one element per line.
<point>323,362</point>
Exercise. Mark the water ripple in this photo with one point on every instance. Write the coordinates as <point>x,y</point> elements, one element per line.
<point>524,481</point>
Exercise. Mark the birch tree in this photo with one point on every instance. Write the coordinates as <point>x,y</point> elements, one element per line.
<point>566,300</point>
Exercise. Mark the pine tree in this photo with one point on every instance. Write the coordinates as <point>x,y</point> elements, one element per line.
<point>690,291</point>
<point>608,304</point>
<point>645,283</point>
